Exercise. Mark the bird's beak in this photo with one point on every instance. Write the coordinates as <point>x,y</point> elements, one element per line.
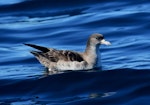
<point>105,42</point>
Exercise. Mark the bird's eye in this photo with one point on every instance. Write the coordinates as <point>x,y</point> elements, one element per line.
<point>99,38</point>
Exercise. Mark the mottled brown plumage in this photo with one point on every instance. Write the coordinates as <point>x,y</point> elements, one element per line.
<point>54,55</point>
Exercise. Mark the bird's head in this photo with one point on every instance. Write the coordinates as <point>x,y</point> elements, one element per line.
<point>97,39</point>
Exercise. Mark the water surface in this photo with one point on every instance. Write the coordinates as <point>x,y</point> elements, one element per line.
<point>123,79</point>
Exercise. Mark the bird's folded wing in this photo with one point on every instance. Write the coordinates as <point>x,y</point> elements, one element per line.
<point>54,55</point>
<point>65,55</point>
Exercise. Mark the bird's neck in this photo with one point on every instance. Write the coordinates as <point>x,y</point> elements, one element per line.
<point>91,53</point>
<point>92,50</point>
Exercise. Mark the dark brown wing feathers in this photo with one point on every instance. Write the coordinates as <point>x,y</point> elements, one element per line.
<point>74,56</point>
<point>54,55</point>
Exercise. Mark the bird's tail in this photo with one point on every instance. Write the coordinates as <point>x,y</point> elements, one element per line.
<point>43,49</point>
<point>35,53</point>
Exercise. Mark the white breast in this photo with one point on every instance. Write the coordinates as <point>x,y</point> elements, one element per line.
<point>62,65</point>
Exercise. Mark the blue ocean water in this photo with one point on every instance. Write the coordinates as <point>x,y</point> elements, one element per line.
<point>124,75</point>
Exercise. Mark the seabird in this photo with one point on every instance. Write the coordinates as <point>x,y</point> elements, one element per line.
<point>60,60</point>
